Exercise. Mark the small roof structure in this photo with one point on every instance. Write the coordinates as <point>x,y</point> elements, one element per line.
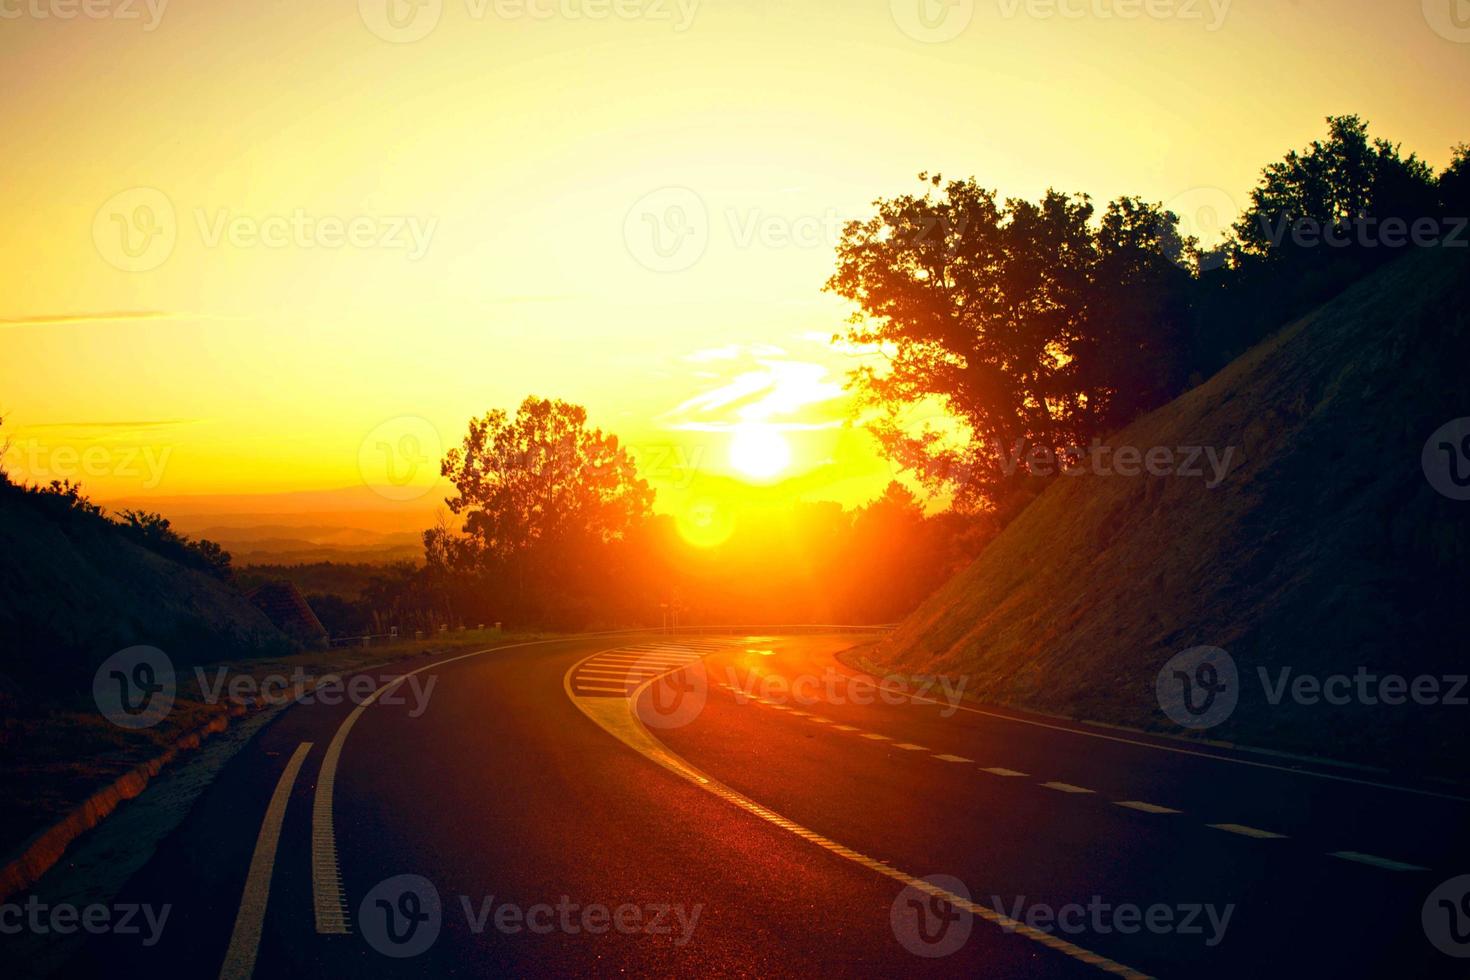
<point>287,608</point>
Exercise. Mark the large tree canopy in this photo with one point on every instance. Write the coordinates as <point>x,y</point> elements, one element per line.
<point>1026,324</point>
<point>537,488</point>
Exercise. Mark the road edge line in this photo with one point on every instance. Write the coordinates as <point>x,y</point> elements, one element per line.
<point>239,962</point>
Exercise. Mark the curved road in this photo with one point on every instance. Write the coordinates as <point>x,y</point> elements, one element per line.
<point>753,806</point>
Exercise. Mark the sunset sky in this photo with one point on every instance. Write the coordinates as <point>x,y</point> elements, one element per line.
<point>265,241</point>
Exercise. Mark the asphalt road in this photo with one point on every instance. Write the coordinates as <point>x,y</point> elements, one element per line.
<point>513,819</point>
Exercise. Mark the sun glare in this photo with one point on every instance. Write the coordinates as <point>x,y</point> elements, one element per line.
<point>759,452</point>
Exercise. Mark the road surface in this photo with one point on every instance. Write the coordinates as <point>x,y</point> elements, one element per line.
<point>753,806</point>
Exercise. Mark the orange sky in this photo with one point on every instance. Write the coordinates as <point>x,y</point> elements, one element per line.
<point>251,246</point>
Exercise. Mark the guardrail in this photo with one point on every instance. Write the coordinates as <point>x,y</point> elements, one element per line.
<point>367,639</point>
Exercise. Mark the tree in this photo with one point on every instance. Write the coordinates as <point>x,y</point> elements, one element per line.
<point>1019,324</point>
<point>1341,182</point>
<point>536,495</point>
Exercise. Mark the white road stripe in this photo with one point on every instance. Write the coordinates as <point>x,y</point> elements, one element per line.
<point>911,747</point>
<point>1244,831</point>
<point>1066,788</point>
<point>844,728</point>
<point>945,757</point>
<point>1146,807</point>
<point>644,662</point>
<point>999,771</point>
<point>1377,862</point>
<point>245,939</point>
<point>875,736</point>
<point>328,906</point>
<point>620,722</point>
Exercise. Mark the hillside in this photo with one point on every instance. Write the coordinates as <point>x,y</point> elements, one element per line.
<point>1325,549</point>
<point>74,589</point>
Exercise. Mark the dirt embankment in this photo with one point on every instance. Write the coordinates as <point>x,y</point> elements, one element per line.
<point>1324,549</point>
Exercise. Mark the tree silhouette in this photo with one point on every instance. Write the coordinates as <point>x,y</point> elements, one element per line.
<point>536,494</point>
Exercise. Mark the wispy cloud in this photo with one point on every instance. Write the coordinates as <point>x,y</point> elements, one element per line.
<point>108,316</point>
<point>150,424</point>
<point>733,352</point>
<point>776,395</point>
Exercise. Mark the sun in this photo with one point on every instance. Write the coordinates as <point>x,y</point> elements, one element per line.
<point>759,452</point>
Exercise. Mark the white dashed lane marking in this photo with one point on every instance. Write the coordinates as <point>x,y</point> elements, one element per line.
<point>1069,788</point>
<point>1146,807</point>
<point>1377,862</point>
<point>1244,831</point>
<point>620,671</point>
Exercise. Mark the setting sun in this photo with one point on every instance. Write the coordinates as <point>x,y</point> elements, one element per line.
<point>759,452</point>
